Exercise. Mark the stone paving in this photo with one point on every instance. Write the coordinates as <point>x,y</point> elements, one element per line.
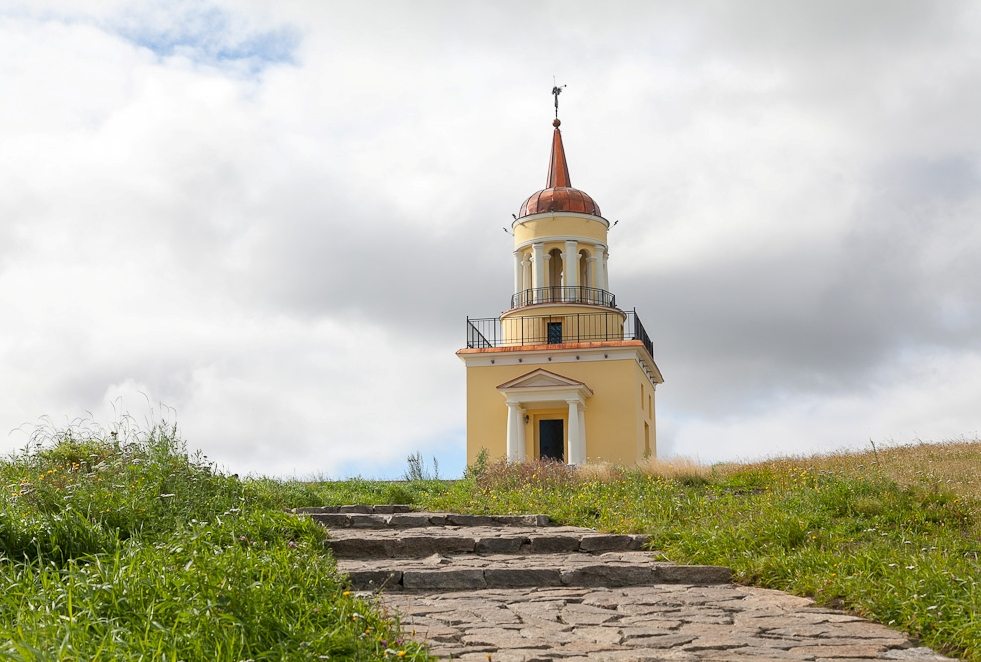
<point>490,594</point>
<point>667,622</point>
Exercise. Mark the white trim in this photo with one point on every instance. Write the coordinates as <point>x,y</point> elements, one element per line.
<point>561,308</point>
<point>540,378</point>
<point>545,395</point>
<point>553,388</point>
<point>559,239</point>
<point>540,357</point>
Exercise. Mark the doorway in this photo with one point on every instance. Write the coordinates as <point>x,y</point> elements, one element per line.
<point>551,440</point>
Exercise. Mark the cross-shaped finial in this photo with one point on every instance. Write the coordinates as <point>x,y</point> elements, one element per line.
<point>556,91</point>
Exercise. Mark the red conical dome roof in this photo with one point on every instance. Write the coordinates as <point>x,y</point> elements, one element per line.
<point>559,194</point>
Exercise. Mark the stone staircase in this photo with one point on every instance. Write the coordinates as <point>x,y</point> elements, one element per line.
<point>392,548</point>
<point>515,588</point>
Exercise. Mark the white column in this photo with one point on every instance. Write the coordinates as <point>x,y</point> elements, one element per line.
<point>526,275</point>
<point>537,265</point>
<point>577,445</point>
<point>591,271</point>
<point>582,428</point>
<point>518,272</point>
<point>516,433</point>
<point>570,264</point>
<point>604,277</point>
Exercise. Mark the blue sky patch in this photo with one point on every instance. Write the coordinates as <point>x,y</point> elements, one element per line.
<point>209,35</point>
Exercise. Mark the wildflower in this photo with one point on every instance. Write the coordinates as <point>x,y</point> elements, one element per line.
<point>346,593</point>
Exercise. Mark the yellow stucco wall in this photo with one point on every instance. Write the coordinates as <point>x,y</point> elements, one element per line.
<point>528,325</point>
<point>560,226</point>
<point>614,415</point>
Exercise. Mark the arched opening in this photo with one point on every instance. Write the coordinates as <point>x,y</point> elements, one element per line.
<point>555,275</point>
<point>585,275</point>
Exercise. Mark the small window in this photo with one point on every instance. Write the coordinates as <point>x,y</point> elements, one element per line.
<point>554,333</point>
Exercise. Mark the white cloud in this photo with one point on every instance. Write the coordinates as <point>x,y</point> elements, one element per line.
<point>274,218</point>
<point>928,397</point>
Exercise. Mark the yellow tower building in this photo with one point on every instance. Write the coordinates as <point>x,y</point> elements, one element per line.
<point>564,373</point>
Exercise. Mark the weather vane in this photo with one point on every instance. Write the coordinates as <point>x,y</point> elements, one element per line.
<point>556,91</point>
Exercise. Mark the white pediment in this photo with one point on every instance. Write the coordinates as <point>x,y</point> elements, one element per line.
<point>540,378</point>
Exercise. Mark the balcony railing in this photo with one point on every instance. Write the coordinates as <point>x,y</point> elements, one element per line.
<point>559,294</point>
<point>483,333</point>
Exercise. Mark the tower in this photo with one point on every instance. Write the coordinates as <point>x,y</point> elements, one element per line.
<point>563,373</point>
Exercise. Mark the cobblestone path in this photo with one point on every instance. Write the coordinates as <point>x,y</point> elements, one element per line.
<point>514,588</point>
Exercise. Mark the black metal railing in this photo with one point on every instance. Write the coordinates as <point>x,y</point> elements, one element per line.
<point>476,339</point>
<point>515,331</point>
<point>640,333</point>
<point>559,294</point>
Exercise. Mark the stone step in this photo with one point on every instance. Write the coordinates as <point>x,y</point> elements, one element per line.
<point>422,542</point>
<point>515,588</point>
<point>471,572</point>
<point>408,520</point>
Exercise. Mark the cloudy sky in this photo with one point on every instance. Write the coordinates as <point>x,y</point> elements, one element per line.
<point>269,221</point>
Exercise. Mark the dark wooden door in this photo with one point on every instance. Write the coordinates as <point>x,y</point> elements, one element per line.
<point>551,440</point>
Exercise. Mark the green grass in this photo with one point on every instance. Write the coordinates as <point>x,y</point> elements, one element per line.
<point>132,549</point>
<point>118,549</point>
<point>893,535</point>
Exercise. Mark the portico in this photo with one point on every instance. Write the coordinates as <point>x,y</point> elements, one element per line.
<point>544,390</point>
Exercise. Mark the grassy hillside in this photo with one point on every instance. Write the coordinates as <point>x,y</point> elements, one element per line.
<point>893,535</point>
<point>132,550</point>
